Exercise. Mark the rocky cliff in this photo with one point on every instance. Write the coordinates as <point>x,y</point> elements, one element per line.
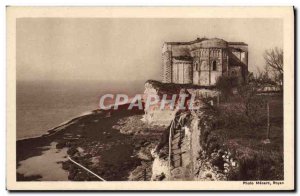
<point>163,116</point>
<point>192,153</point>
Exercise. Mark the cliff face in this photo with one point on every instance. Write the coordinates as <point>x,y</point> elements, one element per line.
<point>163,116</point>
<point>205,153</point>
<point>190,132</point>
<point>195,153</point>
<point>153,114</point>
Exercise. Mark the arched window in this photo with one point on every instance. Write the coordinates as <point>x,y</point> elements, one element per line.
<point>214,66</point>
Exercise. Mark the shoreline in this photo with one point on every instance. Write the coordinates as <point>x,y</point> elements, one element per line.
<point>94,141</point>
<point>58,126</point>
<point>83,114</point>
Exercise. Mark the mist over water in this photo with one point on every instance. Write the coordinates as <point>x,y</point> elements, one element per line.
<point>42,105</point>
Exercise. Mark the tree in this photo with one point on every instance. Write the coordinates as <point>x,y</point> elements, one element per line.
<point>274,62</point>
<point>225,84</point>
<point>251,101</point>
<point>262,79</point>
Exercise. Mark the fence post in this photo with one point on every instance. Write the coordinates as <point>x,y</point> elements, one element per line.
<point>268,121</point>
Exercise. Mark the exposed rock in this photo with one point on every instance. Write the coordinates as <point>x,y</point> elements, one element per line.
<point>144,153</point>
<point>142,172</point>
<point>61,145</point>
<point>72,151</point>
<point>160,167</point>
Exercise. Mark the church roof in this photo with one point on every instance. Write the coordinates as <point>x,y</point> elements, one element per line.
<point>203,39</point>
<point>237,43</point>
<point>187,43</point>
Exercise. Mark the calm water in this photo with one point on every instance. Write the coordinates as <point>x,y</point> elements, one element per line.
<point>44,105</point>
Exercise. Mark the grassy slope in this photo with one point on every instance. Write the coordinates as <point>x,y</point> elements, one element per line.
<point>258,161</point>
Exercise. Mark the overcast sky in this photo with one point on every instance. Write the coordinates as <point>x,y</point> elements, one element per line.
<point>125,49</point>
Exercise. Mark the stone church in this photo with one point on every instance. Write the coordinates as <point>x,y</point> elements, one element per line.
<point>202,61</point>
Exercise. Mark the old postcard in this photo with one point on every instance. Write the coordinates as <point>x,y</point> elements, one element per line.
<point>150,98</point>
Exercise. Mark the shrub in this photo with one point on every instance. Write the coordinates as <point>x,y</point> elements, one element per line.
<point>225,84</point>
<point>253,104</point>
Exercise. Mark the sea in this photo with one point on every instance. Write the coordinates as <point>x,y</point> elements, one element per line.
<point>42,105</point>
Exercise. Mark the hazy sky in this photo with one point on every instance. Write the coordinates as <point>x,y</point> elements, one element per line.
<point>125,49</point>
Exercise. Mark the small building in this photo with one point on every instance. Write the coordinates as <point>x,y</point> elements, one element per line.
<point>202,61</point>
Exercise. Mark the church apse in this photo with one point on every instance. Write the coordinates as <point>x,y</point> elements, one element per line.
<point>202,61</point>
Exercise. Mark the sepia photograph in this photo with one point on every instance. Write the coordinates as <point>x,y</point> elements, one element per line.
<point>150,98</point>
